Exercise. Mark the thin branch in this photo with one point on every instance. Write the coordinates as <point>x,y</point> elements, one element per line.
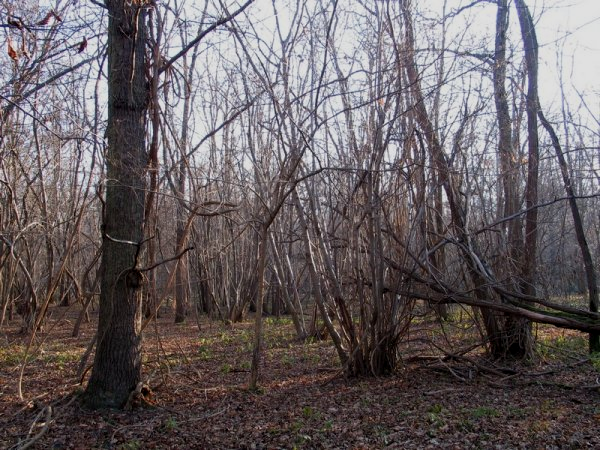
<point>164,261</point>
<point>203,34</point>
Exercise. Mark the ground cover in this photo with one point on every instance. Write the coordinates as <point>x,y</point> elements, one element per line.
<point>439,398</point>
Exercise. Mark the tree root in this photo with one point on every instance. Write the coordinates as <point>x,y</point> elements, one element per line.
<point>142,395</point>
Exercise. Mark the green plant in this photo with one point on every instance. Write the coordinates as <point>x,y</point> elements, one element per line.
<point>308,412</point>
<point>310,356</point>
<point>595,360</point>
<point>310,340</point>
<point>466,425</point>
<point>170,424</point>
<point>11,355</point>
<point>328,425</point>
<point>226,338</point>
<point>288,360</point>
<point>516,412</point>
<point>277,321</point>
<point>435,409</point>
<point>484,411</point>
<point>296,426</point>
<point>204,351</point>
<point>226,368</point>
<point>302,439</point>
<point>62,357</point>
<point>381,432</point>
<point>555,348</point>
<point>245,365</point>
<point>133,444</point>
<point>434,414</point>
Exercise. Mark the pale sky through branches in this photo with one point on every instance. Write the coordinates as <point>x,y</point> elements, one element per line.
<point>568,34</point>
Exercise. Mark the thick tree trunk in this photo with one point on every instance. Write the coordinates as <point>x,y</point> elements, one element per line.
<point>508,159</point>
<point>512,336</point>
<point>181,275</point>
<point>532,104</point>
<point>118,364</point>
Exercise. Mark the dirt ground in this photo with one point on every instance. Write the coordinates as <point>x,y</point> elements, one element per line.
<point>198,375</point>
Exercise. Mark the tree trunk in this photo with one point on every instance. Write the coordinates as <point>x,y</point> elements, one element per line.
<point>117,365</point>
<point>258,324</point>
<point>588,262</point>
<point>512,335</point>
<point>531,190</point>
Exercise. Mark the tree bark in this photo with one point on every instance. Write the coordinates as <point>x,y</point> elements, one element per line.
<point>117,365</point>
<point>588,262</point>
<point>258,324</point>
<point>532,104</point>
<point>515,332</point>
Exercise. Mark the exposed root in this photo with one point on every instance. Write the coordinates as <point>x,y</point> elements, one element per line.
<point>141,396</point>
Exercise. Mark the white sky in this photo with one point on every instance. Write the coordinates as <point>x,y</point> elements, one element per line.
<point>571,28</point>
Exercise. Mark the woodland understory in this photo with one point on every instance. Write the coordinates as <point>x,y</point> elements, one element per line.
<point>198,377</point>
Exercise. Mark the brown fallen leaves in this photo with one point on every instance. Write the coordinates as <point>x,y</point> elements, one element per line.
<point>198,381</point>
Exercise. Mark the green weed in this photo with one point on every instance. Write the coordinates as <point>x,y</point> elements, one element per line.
<point>133,444</point>
<point>288,360</point>
<point>435,415</point>
<point>245,365</point>
<point>308,412</point>
<point>11,356</point>
<point>278,321</point>
<point>204,349</point>
<point>595,359</point>
<point>170,424</point>
<point>484,411</point>
<point>328,425</point>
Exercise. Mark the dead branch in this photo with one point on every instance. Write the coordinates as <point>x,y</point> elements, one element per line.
<point>30,441</point>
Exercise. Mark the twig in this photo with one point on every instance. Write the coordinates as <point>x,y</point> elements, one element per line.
<point>442,391</point>
<point>81,369</point>
<point>173,258</point>
<point>30,441</point>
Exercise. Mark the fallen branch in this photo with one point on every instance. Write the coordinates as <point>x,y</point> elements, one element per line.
<point>30,441</point>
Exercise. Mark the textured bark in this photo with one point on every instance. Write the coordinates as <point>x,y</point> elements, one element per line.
<point>182,297</point>
<point>532,104</point>
<point>513,334</point>
<point>117,364</point>
<point>508,159</point>
<point>258,324</point>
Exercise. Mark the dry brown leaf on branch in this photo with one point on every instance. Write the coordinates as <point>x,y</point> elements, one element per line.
<point>24,50</point>
<point>82,45</point>
<point>11,51</point>
<point>46,19</point>
<point>15,22</point>
<point>49,15</point>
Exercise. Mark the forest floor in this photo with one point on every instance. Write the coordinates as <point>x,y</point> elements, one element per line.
<point>199,375</point>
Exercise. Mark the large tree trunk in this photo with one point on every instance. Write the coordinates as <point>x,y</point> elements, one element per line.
<point>514,338</point>
<point>531,190</point>
<point>118,364</point>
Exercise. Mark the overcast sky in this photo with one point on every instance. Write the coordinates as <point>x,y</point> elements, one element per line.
<point>571,27</point>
